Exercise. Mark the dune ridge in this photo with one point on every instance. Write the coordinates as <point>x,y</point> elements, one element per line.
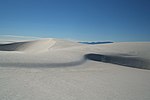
<point>51,45</point>
<point>28,46</point>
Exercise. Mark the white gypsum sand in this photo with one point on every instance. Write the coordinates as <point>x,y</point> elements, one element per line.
<point>54,69</point>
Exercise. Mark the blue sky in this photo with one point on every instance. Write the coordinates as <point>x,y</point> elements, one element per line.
<point>83,20</point>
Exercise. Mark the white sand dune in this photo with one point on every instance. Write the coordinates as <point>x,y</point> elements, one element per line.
<point>54,69</point>
<point>34,46</point>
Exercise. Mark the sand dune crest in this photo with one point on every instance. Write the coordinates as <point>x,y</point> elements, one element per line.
<point>28,46</point>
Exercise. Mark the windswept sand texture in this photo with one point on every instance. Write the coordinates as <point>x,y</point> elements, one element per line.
<point>54,69</point>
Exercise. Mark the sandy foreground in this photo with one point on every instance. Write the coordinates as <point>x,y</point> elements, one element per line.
<point>54,69</point>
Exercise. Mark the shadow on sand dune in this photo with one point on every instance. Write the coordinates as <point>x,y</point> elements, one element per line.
<point>11,46</point>
<point>124,60</point>
<point>42,65</point>
<point>128,61</point>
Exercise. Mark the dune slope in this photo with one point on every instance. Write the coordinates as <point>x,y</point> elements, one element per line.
<point>38,45</point>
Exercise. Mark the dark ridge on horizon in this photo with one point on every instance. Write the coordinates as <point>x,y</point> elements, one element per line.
<point>95,42</point>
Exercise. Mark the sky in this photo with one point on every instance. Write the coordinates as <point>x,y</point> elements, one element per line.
<point>82,20</point>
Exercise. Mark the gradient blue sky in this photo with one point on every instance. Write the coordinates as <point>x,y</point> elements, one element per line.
<point>84,20</point>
